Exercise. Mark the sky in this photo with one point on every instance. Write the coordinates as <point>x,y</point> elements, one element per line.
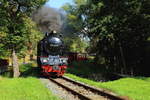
<point>58,3</point>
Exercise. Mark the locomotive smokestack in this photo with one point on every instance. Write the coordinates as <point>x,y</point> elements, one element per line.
<point>48,19</point>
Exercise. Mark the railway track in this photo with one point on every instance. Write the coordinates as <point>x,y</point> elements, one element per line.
<point>84,92</point>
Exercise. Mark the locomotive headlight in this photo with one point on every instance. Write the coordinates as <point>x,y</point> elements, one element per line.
<point>64,60</point>
<point>45,60</point>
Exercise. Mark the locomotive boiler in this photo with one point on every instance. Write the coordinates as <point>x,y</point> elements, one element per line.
<point>50,55</point>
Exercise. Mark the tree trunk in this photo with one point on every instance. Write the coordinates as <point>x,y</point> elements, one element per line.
<point>123,60</point>
<point>30,50</point>
<point>24,59</point>
<point>16,72</point>
<point>31,54</point>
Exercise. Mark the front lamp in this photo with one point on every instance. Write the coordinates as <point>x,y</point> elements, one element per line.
<point>44,60</point>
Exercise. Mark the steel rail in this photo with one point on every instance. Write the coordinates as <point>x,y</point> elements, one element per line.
<point>80,96</point>
<point>101,92</point>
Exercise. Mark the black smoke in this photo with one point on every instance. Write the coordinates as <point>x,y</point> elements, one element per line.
<point>49,19</point>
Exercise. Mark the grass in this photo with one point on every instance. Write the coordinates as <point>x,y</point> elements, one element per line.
<point>147,79</point>
<point>135,88</point>
<point>27,87</point>
<point>24,89</point>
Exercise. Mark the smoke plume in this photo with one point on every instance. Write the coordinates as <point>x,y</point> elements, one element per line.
<point>48,19</point>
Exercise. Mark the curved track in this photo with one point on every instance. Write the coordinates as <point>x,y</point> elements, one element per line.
<point>84,92</point>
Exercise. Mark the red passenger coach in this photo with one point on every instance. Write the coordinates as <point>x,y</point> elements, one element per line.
<point>73,56</point>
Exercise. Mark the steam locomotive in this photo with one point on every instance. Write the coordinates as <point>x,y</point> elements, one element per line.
<point>50,55</point>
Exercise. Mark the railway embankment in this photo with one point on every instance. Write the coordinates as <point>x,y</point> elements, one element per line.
<point>135,88</point>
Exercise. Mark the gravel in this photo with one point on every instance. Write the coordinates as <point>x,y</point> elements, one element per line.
<point>82,90</point>
<point>58,91</point>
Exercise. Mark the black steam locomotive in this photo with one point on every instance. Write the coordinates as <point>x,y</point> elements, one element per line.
<point>50,55</point>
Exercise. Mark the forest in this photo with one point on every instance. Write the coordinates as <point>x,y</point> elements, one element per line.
<point>118,32</point>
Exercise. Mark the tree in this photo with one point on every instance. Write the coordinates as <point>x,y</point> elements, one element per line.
<point>33,35</point>
<point>76,44</point>
<point>74,27</point>
<point>13,20</point>
<point>118,29</point>
<point>74,17</point>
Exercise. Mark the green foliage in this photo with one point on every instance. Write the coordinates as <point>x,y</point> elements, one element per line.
<point>74,18</point>
<point>75,44</point>
<point>88,69</point>
<point>74,26</point>
<point>82,68</point>
<point>24,88</point>
<point>33,35</point>
<point>80,2</point>
<point>3,52</point>
<point>17,31</point>
<point>25,67</point>
<point>29,69</point>
<point>15,15</point>
<point>119,31</point>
